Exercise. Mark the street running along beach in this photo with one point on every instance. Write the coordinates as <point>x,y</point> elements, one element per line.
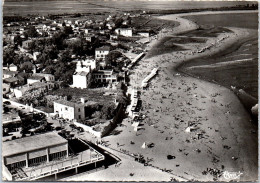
<point>203,125</point>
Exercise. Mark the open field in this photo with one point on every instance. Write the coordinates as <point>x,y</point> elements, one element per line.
<point>96,95</point>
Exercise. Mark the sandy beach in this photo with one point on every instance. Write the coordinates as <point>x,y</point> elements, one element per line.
<point>221,135</point>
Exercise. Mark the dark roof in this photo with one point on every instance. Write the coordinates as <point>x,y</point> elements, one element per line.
<point>104,48</point>
<point>31,143</point>
<point>11,80</point>
<point>82,73</point>
<point>6,72</point>
<point>36,77</point>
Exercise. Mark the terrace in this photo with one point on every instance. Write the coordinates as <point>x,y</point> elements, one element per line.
<point>88,156</point>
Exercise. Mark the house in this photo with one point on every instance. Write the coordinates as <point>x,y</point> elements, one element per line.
<point>104,76</point>
<point>71,110</point>
<point>127,32</point>
<point>86,65</point>
<point>20,91</point>
<point>102,52</point>
<point>90,37</point>
<point>36,55</point>
<point>8,74</point>
<point>48,77</point>
<point>13,67</point>
<point>35,78</point>
<point>113,37</point>
<point>12,81</point>
<point>26,44</point>
<point>144,34</point>
<point>6,88</point>
<point>28,66</point>
<point>81,80</point>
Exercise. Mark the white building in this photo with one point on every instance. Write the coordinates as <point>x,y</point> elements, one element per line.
<point>71,110</point>
<point>81,80</point>
<point>127,32</point>
<point>86,65</point>
<point>104,76</point>
<point>82,76</point>
<point>101,53</point>
<point>13,67</point>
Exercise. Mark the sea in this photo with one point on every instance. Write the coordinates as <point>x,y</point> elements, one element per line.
<point>45,7</point>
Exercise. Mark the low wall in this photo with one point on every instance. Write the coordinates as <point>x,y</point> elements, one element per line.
<point>107,128</point>
<point>6,175</point>
<point>16,104</point>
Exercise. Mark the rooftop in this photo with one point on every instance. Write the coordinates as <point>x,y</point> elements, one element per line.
<point>31,86</point>
<point>74,103</point>
<point>82,73</point>
<point>6,72</point>
<point>36,77</point>
<point>11,79</point>
<point>104,48</point>
<point>31,143</point>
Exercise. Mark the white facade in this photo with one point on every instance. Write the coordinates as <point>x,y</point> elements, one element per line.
<point>81,80</point>
<point>101,53</point>
<point>86,65</point>
<point>104,76</point>
<point>124,32</point>
<point>144,34</point>
<point>13,67</point>
<point>69,110</point>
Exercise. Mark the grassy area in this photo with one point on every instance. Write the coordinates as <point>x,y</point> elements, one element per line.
<point>96,95</point>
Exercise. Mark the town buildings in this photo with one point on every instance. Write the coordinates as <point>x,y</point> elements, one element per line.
<point>127,32</point>
<point>71,110</point>
<point>104,76</point>
<point>102,52</point>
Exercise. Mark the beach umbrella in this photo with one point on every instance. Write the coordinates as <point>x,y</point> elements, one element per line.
<point>187,129</point>
<point>144,145</point>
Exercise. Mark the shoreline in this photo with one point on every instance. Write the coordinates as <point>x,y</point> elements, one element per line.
<point>172,102</point>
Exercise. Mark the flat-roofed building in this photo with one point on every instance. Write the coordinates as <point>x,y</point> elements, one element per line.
<point>86,65</point>
<point>20,91</point>
<point>71,110</point>
<point>34,150</point>
<point>127,32</point>
<point>35,78</point>
<point>104,76</point>
<point>101,53</point>
<point>48,77</point>
<point>81,80</point>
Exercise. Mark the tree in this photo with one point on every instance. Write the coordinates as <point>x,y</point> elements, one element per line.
<point>108,111</point>
<point>31,32</point>
<point>8,55</point>
<point>18,40</point>
<point>68,30</point>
